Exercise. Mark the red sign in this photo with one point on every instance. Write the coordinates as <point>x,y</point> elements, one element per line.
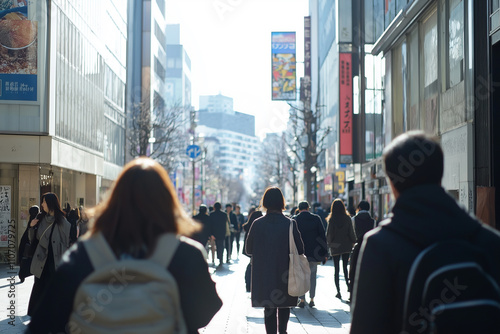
<point>345,107</point>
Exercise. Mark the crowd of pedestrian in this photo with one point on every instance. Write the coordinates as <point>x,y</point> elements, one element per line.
<point>142,230</point>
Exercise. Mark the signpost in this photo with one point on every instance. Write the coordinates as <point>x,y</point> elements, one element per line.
<point>193,151</point>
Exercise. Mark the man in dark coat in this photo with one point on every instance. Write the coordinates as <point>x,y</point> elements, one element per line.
<point>314,238</point>
<point>202,218</point>
<point>363,222</point>
<point>218,228</point>
<point>423,214</point>
<point>233,227</point>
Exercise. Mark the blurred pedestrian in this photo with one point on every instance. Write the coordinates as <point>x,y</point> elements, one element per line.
<point>233,230</point>
<point>313,234</point>
<point>202,218</point>
<point>82,224</point>
<point>240,219</point>
<point>363,222</point>
<point>218,230</point>
<point>53,233</point>
<point>268,244</point>
<point>340,237</point>
<point>253,214</point>
<point>141,211</point>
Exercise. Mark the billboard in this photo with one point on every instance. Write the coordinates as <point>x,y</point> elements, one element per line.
<point>345,107</point>
<point>284,83</point>
<point>18,52</point>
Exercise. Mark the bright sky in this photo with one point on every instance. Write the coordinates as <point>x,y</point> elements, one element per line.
<point>229,43</point>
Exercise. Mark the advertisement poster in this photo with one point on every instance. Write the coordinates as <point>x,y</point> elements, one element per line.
<point>18,52</point>
<point>345,108</point>
<point>283,66</point>
<point>5,214</point>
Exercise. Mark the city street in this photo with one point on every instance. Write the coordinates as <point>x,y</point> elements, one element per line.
<point>330,315</point>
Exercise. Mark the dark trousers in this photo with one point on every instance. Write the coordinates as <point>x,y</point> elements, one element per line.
<point>219,245</point>
<point>336,264</point>
<point>228,248</point>
<point>270,319</point>
<point>235,236</point>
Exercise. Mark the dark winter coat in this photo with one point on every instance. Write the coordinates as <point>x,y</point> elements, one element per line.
<point>363,222</point>
<point>340,235</point>
<point>233,222</point>
<point>247,226</point>
<point>218,224</point>
<point>313,235</point>
<point>199,299</point>
<point>204,233</point>
<point>268,244</point>
<point>421,216</point>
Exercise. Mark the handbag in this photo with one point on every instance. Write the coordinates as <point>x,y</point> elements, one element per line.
<point>299,272</point>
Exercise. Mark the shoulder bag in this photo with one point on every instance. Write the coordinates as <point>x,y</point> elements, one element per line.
<point>299,273</point>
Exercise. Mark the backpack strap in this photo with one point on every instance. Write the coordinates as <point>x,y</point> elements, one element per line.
<point>98,250</point>
<point>166,245</point>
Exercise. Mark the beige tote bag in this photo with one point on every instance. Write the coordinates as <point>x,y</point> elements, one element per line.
<point>299,273</point>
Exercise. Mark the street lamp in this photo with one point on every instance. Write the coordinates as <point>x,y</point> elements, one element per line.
<point>314,169</point>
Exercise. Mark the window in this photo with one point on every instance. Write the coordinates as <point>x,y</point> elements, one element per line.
<point>429,43</point>
<point>413,78</point>
<point>455,42</point>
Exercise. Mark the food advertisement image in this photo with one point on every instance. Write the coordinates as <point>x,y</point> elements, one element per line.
<point>18,52</point>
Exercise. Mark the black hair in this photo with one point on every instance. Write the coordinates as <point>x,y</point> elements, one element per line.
<point>273,199</point>
<point>203,209</point>
<point>413,158</point>
<point>364,205</point>
<point>217,206</point>
<point>303,205</point>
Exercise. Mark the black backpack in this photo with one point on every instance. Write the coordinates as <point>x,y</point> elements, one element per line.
<point>450,290</point>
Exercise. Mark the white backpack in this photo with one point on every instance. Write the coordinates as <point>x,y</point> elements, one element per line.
<point>128,296</point>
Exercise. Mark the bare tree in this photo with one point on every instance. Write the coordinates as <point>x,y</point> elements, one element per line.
<point>157,132</point>
<point>306,140</point>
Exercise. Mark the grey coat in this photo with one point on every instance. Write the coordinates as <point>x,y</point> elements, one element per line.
<point>60,242</point>
<point>268,244</point>
<point>340,235</point>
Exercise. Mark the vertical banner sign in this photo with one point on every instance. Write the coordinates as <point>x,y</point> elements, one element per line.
<point>307,63</point>
<point>5,215</point>
<point>345,107</point>
<point>18,52</point>
<point>283,66</point>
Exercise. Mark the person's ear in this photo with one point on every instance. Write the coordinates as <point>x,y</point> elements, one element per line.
<point>395,192</point>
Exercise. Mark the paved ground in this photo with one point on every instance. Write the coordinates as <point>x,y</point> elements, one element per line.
<point>330,315</point>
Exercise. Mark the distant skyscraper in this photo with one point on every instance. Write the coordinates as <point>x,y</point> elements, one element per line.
<point>235,131</point>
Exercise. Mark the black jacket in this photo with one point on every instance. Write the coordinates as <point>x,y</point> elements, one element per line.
<point>268,244</point>
<point>202,236</point>
<point>421,216</point>
<point>363,222</point>
<point>218,221</point>
<point>313,235</point>
<point>199,299</point>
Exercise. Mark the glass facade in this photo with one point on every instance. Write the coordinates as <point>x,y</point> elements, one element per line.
<point>90,76</point>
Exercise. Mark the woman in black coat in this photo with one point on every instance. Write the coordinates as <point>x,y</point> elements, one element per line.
<point>141,208</point>
<point>340,237</point>
<point>268,244</point>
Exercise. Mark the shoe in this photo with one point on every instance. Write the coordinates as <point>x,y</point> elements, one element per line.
<point>301,304</point>
<point>338,295</point>
<point>311,304</point>
<point>228,261</point>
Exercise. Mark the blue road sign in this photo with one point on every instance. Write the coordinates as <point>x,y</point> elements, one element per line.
<point>193,151</point>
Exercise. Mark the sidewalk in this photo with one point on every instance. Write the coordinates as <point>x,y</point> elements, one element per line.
<point>236,316</point>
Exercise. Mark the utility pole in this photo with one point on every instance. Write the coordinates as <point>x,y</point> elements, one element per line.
<point>193,127</point>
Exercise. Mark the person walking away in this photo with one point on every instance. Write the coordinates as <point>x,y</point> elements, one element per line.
<point>140,216</point>
<point>73,217</point>
<point>317,209</point>
<point>268,244</point>
<point>252,216</point>
<point>218,226</point>
<point>53,233</point>
<point>313,235</point>
<point>82,223</point>
<point>340,238</point>
<point>233,229</point>
<point>363,222</point>
<point>202,218</point>
<point>240,219</point>
<point>424,215</point>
